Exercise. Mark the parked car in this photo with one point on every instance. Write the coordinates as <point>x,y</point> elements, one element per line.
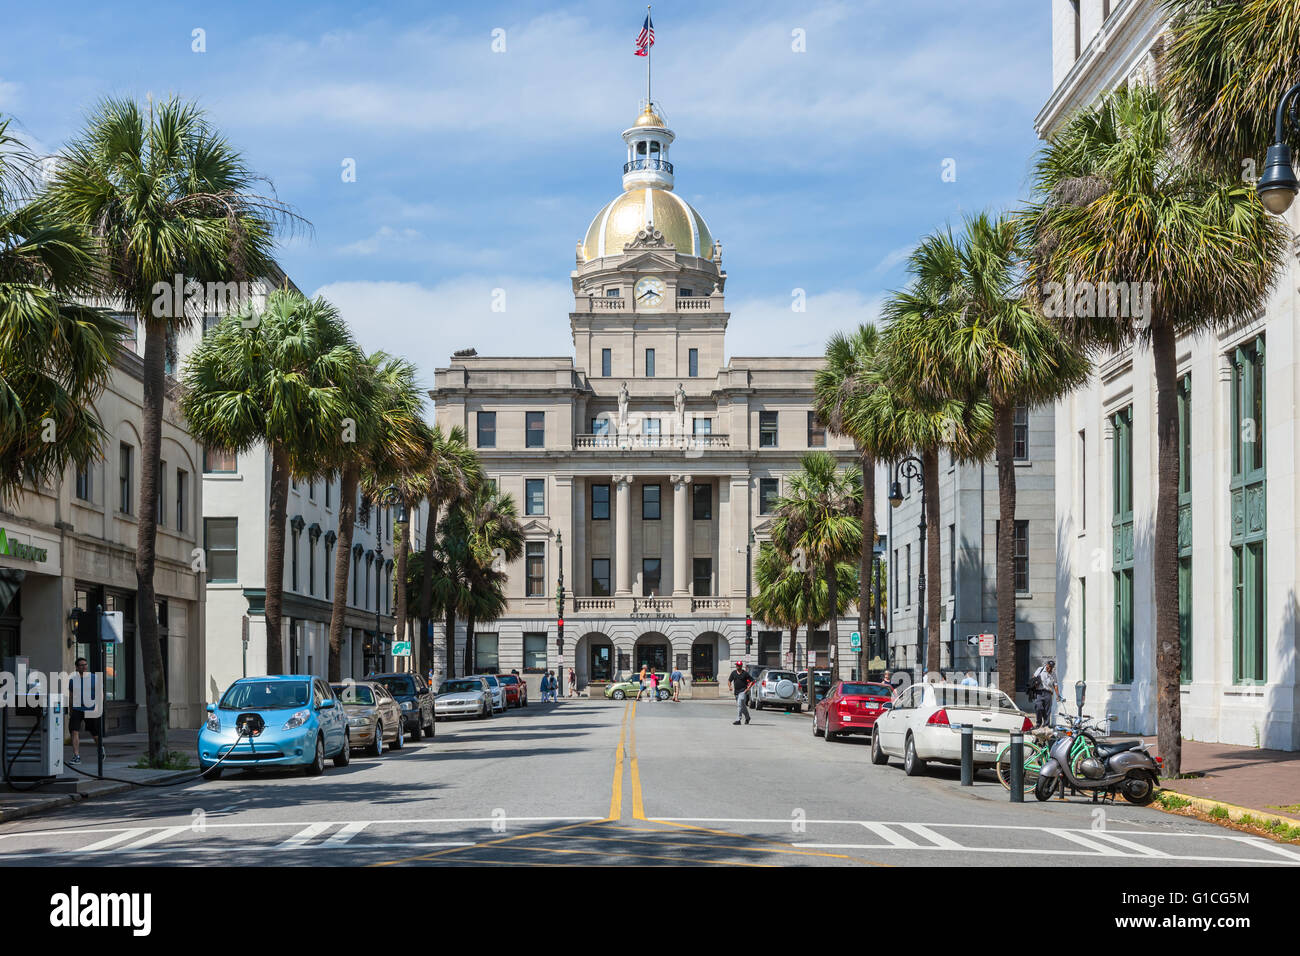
<point>821,681</point>
<point>851,707</point>
<point>516,690</point>
<point>498,690</point>
<point>464,697</point>
<point>280,721</point>
<point>374,715</point>
<point>414,697</point>
<point>775,688</point>
<point>923,724</point>
<point>630,688</point>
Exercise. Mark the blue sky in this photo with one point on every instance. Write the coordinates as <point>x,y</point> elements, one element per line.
<point>479,170</point>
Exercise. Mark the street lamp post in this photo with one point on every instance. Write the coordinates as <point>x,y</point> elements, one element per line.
<point>559,618</point>
<point>1278,186</point>
<point>878,556</point>
<point>911,467</point>
<point>379,570</point>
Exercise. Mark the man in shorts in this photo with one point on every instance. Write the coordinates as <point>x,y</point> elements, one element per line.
<point>85,701</point>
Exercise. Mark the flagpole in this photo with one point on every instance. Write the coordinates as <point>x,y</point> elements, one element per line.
<point>648,101</point>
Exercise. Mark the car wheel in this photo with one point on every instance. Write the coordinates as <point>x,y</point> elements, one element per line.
<point>878,755</point>
<point>663,695</point>
<point>619,695</point>
<point>758,705</point>
<point>829,734</point>
<point>317,766</point>
<point>344,756</point>
<point>377,748</point>
<point>431,731</point>
<point>798,708</point>
<point>417,731</point>
<point>816,732</point>
<point>913,765</point>
<point>400,740</point>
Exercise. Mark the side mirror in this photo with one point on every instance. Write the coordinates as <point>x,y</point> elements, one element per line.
<point>327,703</point>
<point>212,708</point>
<point>1079,690</point>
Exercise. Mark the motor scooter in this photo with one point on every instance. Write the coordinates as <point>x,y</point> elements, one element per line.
<point>1124,767</point>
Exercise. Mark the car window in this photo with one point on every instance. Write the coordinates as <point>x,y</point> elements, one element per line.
<point>266,695</point>
<point>976,698</point>
<point>460,687</point>
<point>354,694</point>
<point>865,690</point>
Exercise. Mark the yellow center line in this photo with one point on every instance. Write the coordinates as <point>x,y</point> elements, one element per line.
<point>616,795</point>
<point>638,808</point>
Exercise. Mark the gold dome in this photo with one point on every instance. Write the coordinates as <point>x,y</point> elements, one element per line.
<point>649,117</point>
<point>619,221</point>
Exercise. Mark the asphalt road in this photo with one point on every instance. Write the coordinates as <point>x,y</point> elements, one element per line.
<point>594,782</point>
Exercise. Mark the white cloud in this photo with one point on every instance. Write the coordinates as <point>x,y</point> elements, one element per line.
<point>893,258</point>
<point>769,326</point>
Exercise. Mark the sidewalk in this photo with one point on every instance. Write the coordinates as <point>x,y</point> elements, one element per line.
<point>121,754</point>
<point>1266,782</point>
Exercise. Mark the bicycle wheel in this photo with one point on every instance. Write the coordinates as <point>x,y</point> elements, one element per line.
<point>1034,758</point>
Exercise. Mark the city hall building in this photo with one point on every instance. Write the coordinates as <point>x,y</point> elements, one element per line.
<point>646,464</point>
<point>1239,553</point>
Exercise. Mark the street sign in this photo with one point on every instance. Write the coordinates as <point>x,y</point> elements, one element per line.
<point>855,641</point>
<point>986,645</point>
<point>972,639</point>
<point>110,627</point>
<point>401,648</point>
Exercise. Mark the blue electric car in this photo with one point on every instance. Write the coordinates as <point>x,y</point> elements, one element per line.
<point>281,721</point>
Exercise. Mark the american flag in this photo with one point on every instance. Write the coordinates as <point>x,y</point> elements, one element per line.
<point>646,38</point>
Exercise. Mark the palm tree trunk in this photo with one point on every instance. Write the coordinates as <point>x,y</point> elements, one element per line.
<point>343,565</point>
<point>934,582</point>
<point>155,694</point>
<point>833,627</point>
<point>426,583</point>
<point>275,532</point>
<point>1004,425</point>
<point>866,560</point>
<point>469,644</point>
<point>1169,660</point>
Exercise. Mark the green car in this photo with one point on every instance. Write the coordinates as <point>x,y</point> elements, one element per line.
<point>629,688</point>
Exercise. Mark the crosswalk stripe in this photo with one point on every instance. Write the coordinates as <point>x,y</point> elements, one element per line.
<point>1263,844</point>
<point>346,834</point>
<point>1101,849</point>
<point>921,830</point>
<point>303,836</point>
<point>107,842</point>
<point>164,834</point>
<point>1129,844</point>
<point>892,838</point>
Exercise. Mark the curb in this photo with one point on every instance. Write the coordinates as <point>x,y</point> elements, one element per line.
<point>1235,813</point>
<point>54,802</point>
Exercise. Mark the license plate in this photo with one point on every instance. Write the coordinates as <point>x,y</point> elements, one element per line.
<point>984,746</point>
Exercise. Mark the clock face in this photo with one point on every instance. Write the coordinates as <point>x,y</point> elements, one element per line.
<point>649,291</point>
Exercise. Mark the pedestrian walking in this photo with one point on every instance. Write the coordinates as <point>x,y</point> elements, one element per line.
<point>1044,689</point>
<point>555,687</point>
<point>547,688</point>
<point>85,701</point>
<point>740,681</point>
<point>641,690</point>
<point>573,683</point>
<point>969,680</point>
<point>654,686</point>
<point>675,679</point>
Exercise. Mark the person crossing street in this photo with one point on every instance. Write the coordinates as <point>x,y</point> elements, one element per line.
<point>740,681</point>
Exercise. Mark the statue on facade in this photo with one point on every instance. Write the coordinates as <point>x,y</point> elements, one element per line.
<point>623,398</point>
<point>679,404</point>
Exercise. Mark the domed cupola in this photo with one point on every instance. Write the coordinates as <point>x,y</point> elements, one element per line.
<point>647,152</point>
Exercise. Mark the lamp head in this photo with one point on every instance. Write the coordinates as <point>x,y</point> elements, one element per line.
<point>1277,188</point>
<point>895,494</point>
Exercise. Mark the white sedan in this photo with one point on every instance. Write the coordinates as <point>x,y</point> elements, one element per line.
<point>498,691</point>
<point>923,723</point>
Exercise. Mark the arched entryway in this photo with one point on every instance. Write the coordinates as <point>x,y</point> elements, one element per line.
<point>654,650</point>
<point>709,656</point>
<point>593,658</point>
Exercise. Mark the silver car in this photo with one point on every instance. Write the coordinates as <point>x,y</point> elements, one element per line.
<point>775,688</point>
<point>463,697</point>
<point>374,716</point>
<point>498,691</point>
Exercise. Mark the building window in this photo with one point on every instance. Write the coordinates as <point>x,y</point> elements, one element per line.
<point>534,653</point>
<point>893,580</point>
<point>613,293</point>
<point>767,429</point>
<point>1122,542</point>
<point>1185,526</point>
<point>535,496</point>
<point>182,498</point>
<point>486,659</point>
<point>311,565</point>
<point>650,502</point>
<point>769,489</point>
<point>221,545</point>
<point>649,363</point>
<point>536,568</point>
<point>1083,479</point>
<point>693,363</point>
<point>329,568</point>
<point>84,482</point>
<point>293,558</point>
<point>769,648</point>
<point>702,501</point>
<point>1246,487</point>
<point>535,429</point>
<point>702,426</point>
<point>487,429</point>
<point>1021,431</point>
<point>702,577</point>
<point>606,362</point>
<point>650,577</point>
<point>1083,628</point>
<point>650,430</point>
<point>600,426</point>
<point>329,492</point>
<point>600,577</point>
<point>600,502</point>
<point>952,559</point>
<point>907,594</point>
<point>1021,556</point>
<point>218,461</point>
<point>816,432</point>
<point>124,477</point>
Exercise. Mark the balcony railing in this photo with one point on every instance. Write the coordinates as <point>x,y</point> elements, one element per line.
<point>608,303</point>
<point>693,303</point>
<point>648,164</point>
<point>614,442</point>
<point>632,604</point>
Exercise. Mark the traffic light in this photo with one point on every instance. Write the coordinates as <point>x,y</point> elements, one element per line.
<point>559,634</point>
<point>749,634</point>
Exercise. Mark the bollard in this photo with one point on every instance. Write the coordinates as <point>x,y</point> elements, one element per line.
<point>967,755</point>
<point>1017,766</point>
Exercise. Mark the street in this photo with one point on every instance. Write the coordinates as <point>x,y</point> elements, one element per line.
<point>588,782</point>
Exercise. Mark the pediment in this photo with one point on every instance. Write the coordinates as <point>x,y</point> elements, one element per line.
<point>649,262</point>
<point>533,526</point>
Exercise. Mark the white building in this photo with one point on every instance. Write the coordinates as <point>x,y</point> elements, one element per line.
<point>1240,424</point>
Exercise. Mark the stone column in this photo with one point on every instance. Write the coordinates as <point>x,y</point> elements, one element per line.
<point>623,535</point>
<point>681,531</point>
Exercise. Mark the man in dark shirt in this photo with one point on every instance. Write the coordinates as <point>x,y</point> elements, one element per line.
<point>740,681</point>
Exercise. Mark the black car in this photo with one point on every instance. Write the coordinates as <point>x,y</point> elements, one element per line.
<point>414,697</point>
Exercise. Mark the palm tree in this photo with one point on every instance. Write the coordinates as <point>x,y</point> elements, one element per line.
<point>163,194</point>
<point>989,342</point>
<point>789,599</point>
<point>1224,69</point>
<point>1121,203</point>
<point>844,381</point>
<point>389,435</point>
<point>820,515</point>
<point>286,377</point>
<point>451,472</point>
<point>55,355</point>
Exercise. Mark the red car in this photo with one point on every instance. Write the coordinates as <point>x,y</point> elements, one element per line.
<point>516,690</point>
<point>851,707</point>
